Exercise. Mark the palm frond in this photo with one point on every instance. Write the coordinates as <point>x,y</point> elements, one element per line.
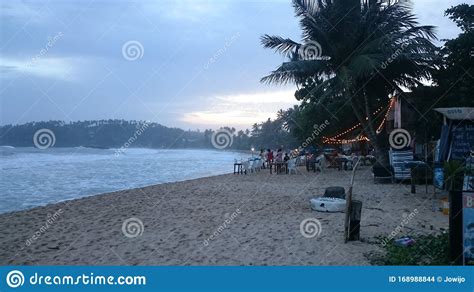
<point>279,44</point>
<point>296,71</point>
<point>308,8</point>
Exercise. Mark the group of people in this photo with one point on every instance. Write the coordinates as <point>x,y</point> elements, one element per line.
<point>338,159</point>
<point>268,156</point>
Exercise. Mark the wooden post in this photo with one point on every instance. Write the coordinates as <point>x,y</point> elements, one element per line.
<point>354,222</point>
<point>349,204</point>
<point>413,180</point>
<point>455,227</point>
<point>456,246</point>
<point>455,185</point>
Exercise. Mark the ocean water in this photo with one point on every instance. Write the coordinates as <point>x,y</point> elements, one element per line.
<point>31,177</point>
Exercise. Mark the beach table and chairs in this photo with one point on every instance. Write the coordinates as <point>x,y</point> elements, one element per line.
<point>341,162</point>
<point>344,162</point>
<point>238,169</point>
<point>256,164</point>
<point>352,160</point>
<point>248,166</point>
<point>318,163</point>
<point>331,161</point>
<point>279,167</point>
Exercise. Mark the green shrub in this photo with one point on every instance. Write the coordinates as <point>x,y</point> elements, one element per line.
<point>428,250</point>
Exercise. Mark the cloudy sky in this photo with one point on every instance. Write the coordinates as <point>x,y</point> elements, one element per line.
<point>189,63</point>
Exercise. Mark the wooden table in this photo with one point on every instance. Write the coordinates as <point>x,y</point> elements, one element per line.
<point>311,164</point>
<point>278,166</point>
<point>341,163</point>
<point>238,166</point>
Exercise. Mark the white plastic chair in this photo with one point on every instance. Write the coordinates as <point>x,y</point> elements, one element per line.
<point>321,163</point>
<point>246,166</point>
<point>292,166</point>
<point>253,165</point>
<point>302,160</point>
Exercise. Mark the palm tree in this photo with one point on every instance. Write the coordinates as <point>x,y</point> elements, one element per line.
<point>356,51</point>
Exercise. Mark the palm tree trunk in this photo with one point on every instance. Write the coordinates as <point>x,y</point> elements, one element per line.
<point>367,121</point>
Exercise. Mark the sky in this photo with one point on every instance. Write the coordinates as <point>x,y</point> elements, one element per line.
<point>193,64</point>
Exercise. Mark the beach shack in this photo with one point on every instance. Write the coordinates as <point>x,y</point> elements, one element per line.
<point>457,144</point>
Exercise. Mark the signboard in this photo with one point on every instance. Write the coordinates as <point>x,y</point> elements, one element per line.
<point>462,141</point>
<point>468,227</point>
<point>457,113</point>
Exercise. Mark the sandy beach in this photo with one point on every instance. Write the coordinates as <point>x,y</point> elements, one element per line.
<point>222,220</point>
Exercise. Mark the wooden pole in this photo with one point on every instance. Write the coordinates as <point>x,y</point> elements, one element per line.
<point>349,204</point>
<point>456,246</point>
<point>354,222</point>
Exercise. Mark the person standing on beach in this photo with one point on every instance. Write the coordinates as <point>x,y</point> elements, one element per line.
<point>262,157</point>
<point>269,156</point>
<point>279,156</point>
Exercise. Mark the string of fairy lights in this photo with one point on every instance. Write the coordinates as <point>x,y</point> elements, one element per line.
<point>361,137</point>
<point>390,106</point>
<point>347,141</point>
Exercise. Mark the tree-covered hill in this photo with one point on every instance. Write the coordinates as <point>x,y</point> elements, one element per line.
<point>121,133</point>
<point>103,134</point>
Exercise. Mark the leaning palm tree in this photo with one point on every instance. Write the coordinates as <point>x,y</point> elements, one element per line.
<point>356,51</point>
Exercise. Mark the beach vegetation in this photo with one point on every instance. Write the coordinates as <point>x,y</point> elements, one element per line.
<point>428,250</point>
<point>354,54</point>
